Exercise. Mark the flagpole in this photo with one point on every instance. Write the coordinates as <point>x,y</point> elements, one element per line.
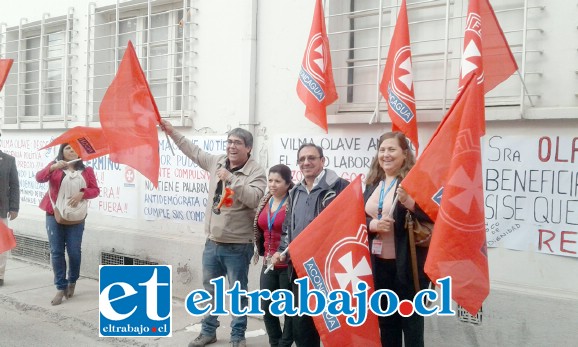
<point>375,114</point>
<point>524,37</point>
<point>525,88</point>
<point>393,205</point>
<point>270,267</point>
<point>169,142</point>
<point>444,97</point>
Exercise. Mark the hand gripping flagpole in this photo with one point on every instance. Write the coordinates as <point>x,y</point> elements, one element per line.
<point>169,142</point>
<point>270,267</point>
<point>393,205</point>
<point>167,136</point>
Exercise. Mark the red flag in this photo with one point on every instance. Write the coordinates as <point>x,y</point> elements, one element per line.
<point>397,82</point>
<point>5,65</point>
<point>486,50</point>
<point>452,164</point>
<point>129,116</point>
<point>335,245</point>
<point>315,86</point>
<point>88,143</point>
<point>7,240</point>
<point>425,180</point>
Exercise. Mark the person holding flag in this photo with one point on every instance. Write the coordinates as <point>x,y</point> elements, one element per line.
<point>237,178</point>
<point>386,205</point>
<point>268,227</point>
<point>306,201</point>
<point>66,174</point>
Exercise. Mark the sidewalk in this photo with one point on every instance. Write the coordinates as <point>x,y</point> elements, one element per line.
<point>28,287</point>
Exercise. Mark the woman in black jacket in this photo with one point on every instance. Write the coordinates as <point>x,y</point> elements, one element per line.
<point>388,237</point>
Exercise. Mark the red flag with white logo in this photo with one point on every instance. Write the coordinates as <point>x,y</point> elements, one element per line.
<point>5,65</point>
<point>315,86</point>
<point>129,116</point>
<point>333,252</point>
<point>7,240</point>
<point>451,164</point>
<point>397,82</point>
<point>486,50</point>
<point>88,143</point>
<point>425,181</point>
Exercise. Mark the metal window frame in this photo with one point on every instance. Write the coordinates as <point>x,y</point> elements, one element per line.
<point>38,29</point>
<point>345,106</point>
<point>143,12</point>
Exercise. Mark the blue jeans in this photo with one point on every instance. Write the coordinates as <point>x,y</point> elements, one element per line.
<point>231,260</point>
<point>61,237</point>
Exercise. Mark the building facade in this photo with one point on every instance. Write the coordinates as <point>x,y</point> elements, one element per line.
<point>216,65</point>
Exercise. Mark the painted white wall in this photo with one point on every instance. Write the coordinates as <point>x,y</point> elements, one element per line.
<point>228,46</point>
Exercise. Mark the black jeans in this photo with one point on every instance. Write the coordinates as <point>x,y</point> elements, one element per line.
<point>273,280</point>
<point>392,327</point>
<point>304,331</point>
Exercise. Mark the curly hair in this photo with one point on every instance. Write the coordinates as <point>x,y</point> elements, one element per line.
<point>376,173</point>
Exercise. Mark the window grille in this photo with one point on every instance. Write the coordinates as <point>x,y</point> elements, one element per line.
<point>163,36</point>
<point>113,258</point>
<point>39,86</point>
<point>360,31</point>
<point>31,249</point>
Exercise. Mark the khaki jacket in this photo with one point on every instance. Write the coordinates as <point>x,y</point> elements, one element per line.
<point>235,223</point>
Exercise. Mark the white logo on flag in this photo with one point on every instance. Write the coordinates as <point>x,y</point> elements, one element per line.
<point>352,274</point>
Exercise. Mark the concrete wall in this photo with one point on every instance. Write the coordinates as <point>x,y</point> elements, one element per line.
<point>249,57</point>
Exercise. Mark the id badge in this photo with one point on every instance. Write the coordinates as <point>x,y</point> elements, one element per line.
<point>376,245</point>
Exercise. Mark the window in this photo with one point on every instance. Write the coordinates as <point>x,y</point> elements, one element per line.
<point>359,39</point>
<point>162,36</point>
<point>39,86</point>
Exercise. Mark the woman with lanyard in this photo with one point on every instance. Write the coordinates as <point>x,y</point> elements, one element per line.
<point>267,226</point>
<point>388,237</point>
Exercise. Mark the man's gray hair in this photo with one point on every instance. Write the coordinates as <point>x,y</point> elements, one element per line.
<point>243,134</point>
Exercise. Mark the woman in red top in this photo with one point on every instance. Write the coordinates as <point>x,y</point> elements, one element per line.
<point>267,225</point>
<point>81,183</point>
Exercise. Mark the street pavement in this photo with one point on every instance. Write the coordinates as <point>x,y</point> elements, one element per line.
<point>28,319</point>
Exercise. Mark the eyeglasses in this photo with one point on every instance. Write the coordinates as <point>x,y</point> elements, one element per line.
<point>235,143</point>
<point>308,158</point>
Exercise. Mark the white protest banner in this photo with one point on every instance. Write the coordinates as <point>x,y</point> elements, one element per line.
<point>349,156</point>
<point>531,186</point>
<point>183,187</point>
<point>118,188</point>
<point>29,160</point>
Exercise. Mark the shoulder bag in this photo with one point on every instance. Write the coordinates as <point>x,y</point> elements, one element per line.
<point>65,214</point>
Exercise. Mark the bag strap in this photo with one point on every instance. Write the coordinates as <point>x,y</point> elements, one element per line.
<point>50,195</point>
<point>412,251</point>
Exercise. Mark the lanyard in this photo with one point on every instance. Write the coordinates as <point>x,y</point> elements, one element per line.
<point>382,196</point>
<point>271,219</point>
